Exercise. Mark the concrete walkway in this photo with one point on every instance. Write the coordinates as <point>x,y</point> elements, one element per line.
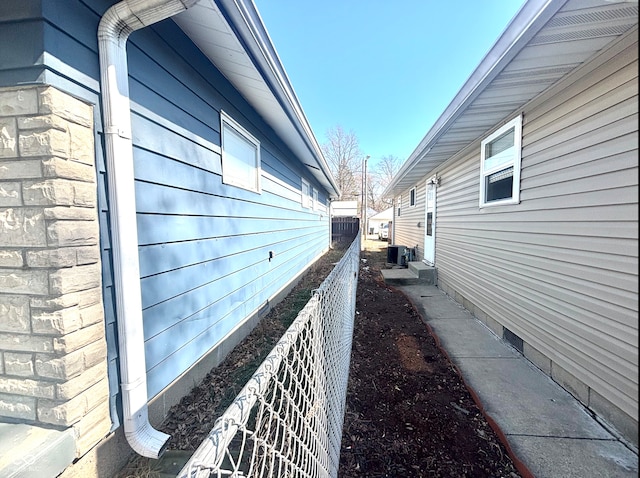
<point>547,429</point>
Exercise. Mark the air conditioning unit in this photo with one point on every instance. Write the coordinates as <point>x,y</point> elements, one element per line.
<point>402,258</point>
<point>395,254</point>
<point>410,254</point>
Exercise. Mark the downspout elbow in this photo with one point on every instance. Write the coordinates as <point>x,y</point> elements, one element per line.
<point>113,32</point>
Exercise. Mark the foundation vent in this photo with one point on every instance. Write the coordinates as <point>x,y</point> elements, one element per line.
<point>513,339</point>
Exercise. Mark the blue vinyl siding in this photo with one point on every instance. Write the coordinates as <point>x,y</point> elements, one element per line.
<point>204,255</point>
<point>204,245</point>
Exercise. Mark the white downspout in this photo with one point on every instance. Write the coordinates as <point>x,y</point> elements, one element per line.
<point>115,27</point>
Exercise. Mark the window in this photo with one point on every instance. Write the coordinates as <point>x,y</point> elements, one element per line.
<point>500,159</point>
<point>399,204</point>
<point>305,193</point>
<point>412,197</point>
<point>315,199</point>
<point>240,155</point>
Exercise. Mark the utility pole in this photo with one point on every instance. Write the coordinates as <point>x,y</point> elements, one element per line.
<point>364,201</point>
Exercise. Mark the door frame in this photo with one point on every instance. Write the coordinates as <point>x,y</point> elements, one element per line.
<point>430,225</point>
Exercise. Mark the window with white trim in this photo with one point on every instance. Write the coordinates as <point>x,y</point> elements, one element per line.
<point>305,193</point>
<point>500,161</point>
<point>240,155</point>
<point>399,205</point>
<point>315,199</point>
<point>412,197</point>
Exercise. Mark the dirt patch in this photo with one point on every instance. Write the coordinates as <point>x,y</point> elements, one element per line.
<point>408,413</point>
<point>411,357</point>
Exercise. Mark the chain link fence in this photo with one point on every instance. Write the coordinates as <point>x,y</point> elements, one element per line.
<point>287,420</point>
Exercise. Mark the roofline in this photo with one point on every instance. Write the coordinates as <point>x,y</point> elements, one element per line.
<point>531,17</point>
<point>245,20</point>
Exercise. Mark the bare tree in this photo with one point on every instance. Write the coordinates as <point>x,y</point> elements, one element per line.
<point>342,151</point>
<point>387,168</point>
<point>381,175</point>
<point>373,192</point>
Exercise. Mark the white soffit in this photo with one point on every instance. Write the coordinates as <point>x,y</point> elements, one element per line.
<point>573,35</point>
<point>209,30</point>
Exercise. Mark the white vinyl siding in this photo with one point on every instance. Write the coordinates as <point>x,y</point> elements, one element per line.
<point>409,230</point>
<point>560,269</point>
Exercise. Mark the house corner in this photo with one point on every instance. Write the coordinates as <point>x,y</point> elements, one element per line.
<point>53,370</point>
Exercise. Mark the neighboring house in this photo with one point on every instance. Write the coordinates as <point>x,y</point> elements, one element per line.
<point>524,195</point>
<point>345,209</point>
<point>376,219</point>
<point>158,193</point>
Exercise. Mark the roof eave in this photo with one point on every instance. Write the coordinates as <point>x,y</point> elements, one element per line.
<point>525,24</point>
<point>243,21</point>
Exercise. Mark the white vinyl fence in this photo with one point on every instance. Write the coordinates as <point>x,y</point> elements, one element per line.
<point>287,420</point>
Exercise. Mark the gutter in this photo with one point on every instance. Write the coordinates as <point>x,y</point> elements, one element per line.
<point>113,32</point>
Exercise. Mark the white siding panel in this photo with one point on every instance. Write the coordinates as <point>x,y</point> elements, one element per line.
<point>560,269</point>
<point>619,155</point>
<point>560,131</point>
<point>407,232</point>
<point>626,63</point>
<point>556,281</point>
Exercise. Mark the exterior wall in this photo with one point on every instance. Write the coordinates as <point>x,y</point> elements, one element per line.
<point>204,252</point>
<point>204,245</point>
<point>52,342</point>
<point>560,269</point>
<point>409,228</point>
<point>206,272</point>
<point>345,209</point>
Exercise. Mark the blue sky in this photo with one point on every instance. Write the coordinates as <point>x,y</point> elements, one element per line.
<point>383,69</point>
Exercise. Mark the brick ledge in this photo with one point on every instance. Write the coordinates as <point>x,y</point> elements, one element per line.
<point>35,452</point>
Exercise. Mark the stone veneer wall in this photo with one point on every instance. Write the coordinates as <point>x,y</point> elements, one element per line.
<point>53,366</point>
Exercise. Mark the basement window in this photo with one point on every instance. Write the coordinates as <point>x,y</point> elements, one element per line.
<point>500,160</point>
<point>240,155</point>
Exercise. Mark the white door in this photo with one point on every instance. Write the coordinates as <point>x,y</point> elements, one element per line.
<point>430,223</point>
